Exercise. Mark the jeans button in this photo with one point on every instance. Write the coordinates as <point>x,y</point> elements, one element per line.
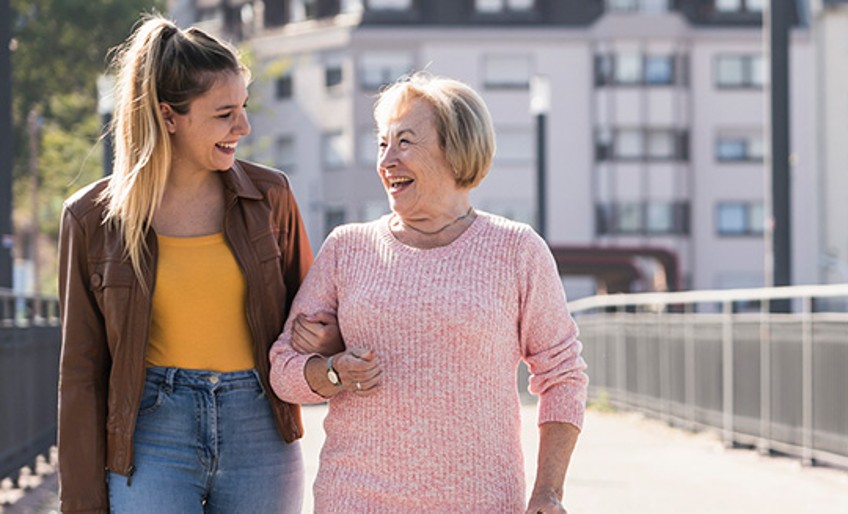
<point>213,379</point>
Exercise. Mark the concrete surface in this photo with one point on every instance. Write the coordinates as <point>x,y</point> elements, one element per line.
<point>625,463</point>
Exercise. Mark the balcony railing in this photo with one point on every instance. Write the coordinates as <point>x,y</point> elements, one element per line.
<point>719,360</point>
<point>29,364</point>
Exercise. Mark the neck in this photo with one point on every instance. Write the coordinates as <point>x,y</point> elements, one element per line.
<point>456,220</point>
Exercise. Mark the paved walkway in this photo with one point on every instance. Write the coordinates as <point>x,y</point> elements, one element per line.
<point>627,464</point>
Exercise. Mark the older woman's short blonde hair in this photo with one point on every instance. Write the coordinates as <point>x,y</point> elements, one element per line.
<point>463,122</point>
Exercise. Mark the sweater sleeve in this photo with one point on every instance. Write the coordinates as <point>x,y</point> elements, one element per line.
<point>548,336</point>
<point>318,293</point>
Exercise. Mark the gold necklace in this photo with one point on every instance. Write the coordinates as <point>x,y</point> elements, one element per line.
<point>434,232</point>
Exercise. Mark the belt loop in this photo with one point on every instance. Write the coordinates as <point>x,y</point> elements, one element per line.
<point>257,377</point>
<point>170,373</point>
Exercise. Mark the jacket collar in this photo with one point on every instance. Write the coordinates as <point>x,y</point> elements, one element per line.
<point>236,180</point>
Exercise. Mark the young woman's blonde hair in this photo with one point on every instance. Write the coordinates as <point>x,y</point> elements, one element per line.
<point>158,63</point>
<point>463,122</point>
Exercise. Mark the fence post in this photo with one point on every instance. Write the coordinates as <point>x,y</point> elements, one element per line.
<point>807,381</point>
<point>727,371</point>
<point>621,362</point>
<point>765,378</point>
<point>689,361</point>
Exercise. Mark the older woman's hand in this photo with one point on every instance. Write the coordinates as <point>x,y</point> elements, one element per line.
<point>318,333</point>
<point>359,370</point>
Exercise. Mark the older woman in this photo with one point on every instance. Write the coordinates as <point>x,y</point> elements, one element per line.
<point>437,303</point>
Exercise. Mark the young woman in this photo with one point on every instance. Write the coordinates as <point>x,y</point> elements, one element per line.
<point>176,275</point>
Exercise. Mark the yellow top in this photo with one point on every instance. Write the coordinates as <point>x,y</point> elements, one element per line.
<point>199,319</point>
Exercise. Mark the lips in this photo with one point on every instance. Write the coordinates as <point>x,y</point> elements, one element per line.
<point>397,184</point>
<point>227,148</point>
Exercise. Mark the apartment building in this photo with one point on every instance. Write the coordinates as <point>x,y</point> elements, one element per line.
<point>655,135</point>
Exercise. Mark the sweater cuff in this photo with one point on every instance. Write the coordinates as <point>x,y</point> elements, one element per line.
<point>563,404</point>
<point>291,384</point>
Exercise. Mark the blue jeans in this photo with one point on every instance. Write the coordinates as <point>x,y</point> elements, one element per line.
<point>205,442</point>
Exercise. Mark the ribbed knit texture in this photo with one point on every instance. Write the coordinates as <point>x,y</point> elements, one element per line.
<point>450,325</point>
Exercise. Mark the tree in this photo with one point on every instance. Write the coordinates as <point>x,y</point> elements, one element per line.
<point>60,47</point>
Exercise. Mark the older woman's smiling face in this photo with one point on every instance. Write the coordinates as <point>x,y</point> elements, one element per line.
<point>412,165</point>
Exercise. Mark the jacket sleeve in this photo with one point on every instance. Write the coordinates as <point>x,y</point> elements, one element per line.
<point>83,380</point>
<point>548,336</point>
<point>294,243</point>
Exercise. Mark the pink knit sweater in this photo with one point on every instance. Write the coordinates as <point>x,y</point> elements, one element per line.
<point>450,325</point>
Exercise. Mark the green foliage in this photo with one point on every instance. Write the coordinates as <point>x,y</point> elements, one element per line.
<point>601,402</point>
<point>60,47</point>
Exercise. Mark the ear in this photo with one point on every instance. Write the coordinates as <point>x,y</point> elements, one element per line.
<point>168,114</point>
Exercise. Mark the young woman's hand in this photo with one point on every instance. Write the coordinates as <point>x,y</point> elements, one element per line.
<point>318,333</point>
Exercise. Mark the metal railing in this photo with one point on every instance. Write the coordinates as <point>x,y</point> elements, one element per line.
<point>29,365</point>
<point>720,360</point>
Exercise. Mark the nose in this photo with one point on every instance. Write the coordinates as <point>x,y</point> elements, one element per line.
<point>242,126</point>
<point>387,156</point>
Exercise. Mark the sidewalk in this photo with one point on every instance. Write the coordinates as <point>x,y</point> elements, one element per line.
<point>627,464</point>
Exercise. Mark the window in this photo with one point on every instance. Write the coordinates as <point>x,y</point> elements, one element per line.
<point>740,218</point>
<point>740,71</point>
<point>739,148</point>
<point>333,76</point>
<point>635,69</point>
<point>643,6</point>
<point>659,69</point>
<point>490,6</point>
<point>738,6</point>
<point>649,144</point>
<point>284,154</point>
<point>628,69</point>
<point>660,144</point>
<point>642,218</point>
<point>379,69</point>
<point>507,72</point>
<point>283,87</point>
<point>389,5</point>
<point>333,217</point>
<point>333,150</point>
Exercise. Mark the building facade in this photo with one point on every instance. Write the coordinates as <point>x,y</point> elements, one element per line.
<point>830,29</point>
<point>655,129</point>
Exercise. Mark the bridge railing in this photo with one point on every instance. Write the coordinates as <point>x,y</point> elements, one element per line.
<point>719,360</point>
<point>29,364</point>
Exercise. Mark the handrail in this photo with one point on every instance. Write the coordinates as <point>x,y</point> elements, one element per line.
<point>709,295</point>
<point>771,380</point>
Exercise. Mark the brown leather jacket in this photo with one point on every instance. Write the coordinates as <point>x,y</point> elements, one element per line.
<point>106,316</point>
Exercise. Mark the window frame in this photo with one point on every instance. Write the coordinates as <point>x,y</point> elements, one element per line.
<point>752,223</point>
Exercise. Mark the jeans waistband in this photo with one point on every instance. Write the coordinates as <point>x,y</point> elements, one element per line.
<point>206,379</point>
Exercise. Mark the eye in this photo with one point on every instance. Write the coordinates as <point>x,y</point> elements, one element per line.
<point>404,142</point>
<point>224,116</point>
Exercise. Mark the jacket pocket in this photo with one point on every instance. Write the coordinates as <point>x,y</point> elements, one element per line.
<point>112,282</point>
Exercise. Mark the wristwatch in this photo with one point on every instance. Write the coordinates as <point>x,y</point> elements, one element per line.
<point>332,374</point>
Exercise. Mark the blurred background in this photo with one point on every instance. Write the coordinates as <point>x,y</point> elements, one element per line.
<point>646,150</point>
<point>690,146</point>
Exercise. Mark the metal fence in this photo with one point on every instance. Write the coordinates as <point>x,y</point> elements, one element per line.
<point>29,365</point>
<point>720,360</point>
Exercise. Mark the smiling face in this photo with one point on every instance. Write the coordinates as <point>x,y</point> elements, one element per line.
<point>412,166</point>
<point>205,138</point>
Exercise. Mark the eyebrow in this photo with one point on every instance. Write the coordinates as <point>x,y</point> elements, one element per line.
<point>229,106</point>
<point>401,132</point>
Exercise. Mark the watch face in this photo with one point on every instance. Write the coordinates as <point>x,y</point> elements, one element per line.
<point>333,377</point>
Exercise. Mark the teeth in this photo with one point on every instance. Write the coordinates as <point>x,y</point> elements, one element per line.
<point>228,146</point>
<point>399,180</point>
